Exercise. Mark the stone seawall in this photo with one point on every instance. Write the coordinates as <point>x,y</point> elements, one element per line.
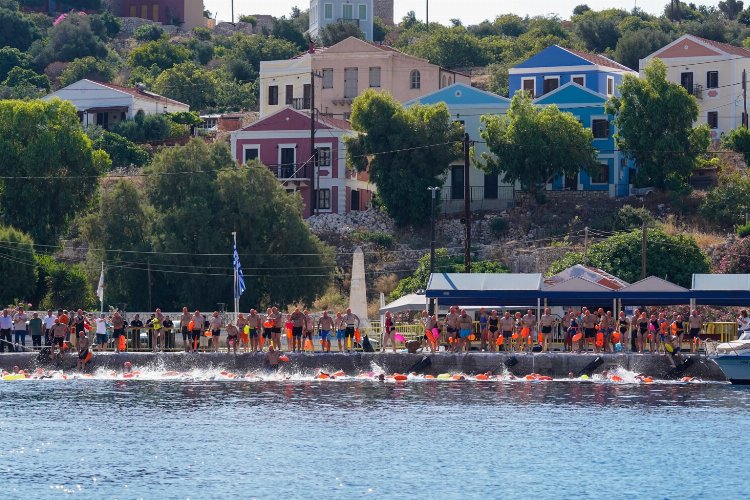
<point>556,365</point>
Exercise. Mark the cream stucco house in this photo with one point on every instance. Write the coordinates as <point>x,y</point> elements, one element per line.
<point>345,70</point>
<point>712,72</point>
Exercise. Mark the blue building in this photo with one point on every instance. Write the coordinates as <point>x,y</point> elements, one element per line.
<point>614,175</point>
<point>555,66</point>
<point>466,105</point>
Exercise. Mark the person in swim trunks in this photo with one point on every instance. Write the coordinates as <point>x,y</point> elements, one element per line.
<point>254,323</point>
<point>351,321</point>
<point>465,326</point>
<point>325,326</point>
<point>244,336</point>
<point>340,327</point>
<point>268,325</point>
<point>298,325</point>
<point>195,333</point>
<point>588,323</point>
<point>451,326</point>
<point>83,350</point>
<point>233,337</point>
<point>278,321</point>
<point>506,327</point>
<point>695,322</point>
<point>546,322</point>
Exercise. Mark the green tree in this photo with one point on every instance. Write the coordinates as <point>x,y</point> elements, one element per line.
<point>45,140</point>
<point>16,265</point>
<point>379,30</point>
<point>288,29</point>
<point>674,258</point>
<point>654,120</point>
<point>635,45</point>
<point>727,204</point>
<point>121,151</point>
<point>64,284</point>
<point>598,30</point>
<point>246,52</point>
<point>444,263</point>
<point>738,140</point>
<point>149,33</point>
<point>71,39</point>
<point>161,54</point>
<point>532,144</point>
<point>333,33</point>
<point>428,141</point>
<point>21,77</point>
<point>16,30</point>
<point>122,223</point>
<point>731,8</point>
<point>105,25</point>
<point>88,67</point>
<point>188,83</point>
<point>144,128</point>
<point>223,197</point>
<point>11,57</point>
<point>450,48</point>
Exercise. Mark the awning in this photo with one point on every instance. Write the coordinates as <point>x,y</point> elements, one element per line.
<point>485,289</point>
<point>653,291</point>
<point>721,289</point>
<point>410,302</point>
<point>578,291</point>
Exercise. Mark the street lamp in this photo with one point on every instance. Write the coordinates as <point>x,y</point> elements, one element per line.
<point>434,190</point>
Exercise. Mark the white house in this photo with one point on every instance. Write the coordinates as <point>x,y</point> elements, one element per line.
<point>106,104</point>
<point>325,12</point>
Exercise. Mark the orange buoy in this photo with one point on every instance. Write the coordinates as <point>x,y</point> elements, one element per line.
<point>539,338</point>
<point>648,380</point>
<point>268,324</point>
<point>457,377</point>
<point>429,377</point>
<point>284,358</point>
<point>544,377</point>
<point>577,337</point>
<point>339,373</point>
<point>322,376</point>
<point>531,376</point>
<point>472,338</point>
<point>599,339</point>
<point>616,337</point>
<point>686,379</point>
<point>122,344</point>
<point>191,325</point>
<point>515,336</point>
<point>616,378</point>
<point>399,377</point>
<point>525,331</point>
<point>500,340</point>
<point>357,335</point>
<point>482,376</point>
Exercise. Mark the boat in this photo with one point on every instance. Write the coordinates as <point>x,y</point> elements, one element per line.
<point>734,360</point>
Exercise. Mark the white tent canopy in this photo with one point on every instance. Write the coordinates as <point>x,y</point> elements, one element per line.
<point>410,302</point>
<point>735,282</point>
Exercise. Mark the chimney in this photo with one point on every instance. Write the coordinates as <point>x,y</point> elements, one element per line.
<point>311,47</point>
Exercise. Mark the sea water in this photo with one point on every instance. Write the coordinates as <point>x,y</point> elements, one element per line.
<point>207,435</point>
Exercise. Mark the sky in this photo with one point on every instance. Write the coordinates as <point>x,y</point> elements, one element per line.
<point>470,11</point>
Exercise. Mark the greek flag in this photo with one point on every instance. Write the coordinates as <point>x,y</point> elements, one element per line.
<point>239,283</point>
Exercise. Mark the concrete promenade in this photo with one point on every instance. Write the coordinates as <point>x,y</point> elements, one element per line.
<point>556,365</point>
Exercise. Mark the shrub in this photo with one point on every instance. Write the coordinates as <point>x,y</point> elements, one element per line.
<point>149,33</point>
<point>629,217</point>
<point>379,238</point>
<point>727,204</point>
<point>499,226</point>
<point>743,230</point>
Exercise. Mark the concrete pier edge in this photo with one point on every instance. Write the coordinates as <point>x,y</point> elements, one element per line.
<point>557,365</point>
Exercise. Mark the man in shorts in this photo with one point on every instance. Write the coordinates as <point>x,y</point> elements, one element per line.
<point>233,337</point>
<point>58,334</point>
<point>506,329</point>
<point>298,325</point>
<point>254,323</point>
<point>49,323</point>
<point>35,329</point>
<point>278,321</point>
<point>546,322</point>
<point>195,333</point>
<point>351,321</point>
<point>185,328</point>
<point>268,324</point>
<point>325,326</point>
<point>588,323</point>
<point>118,329</point>
<point>529,321</point>
<point>244,337</point>
<point>83,350</point>
<point>101,332</point>
<point>309,326</point>
<point>216,325</point>
<point>340,326</point>
<point>465,327</point>
<point>695,324</point>
<point>451,327</point>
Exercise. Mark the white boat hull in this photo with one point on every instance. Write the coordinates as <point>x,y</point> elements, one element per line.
<point>736,368</point>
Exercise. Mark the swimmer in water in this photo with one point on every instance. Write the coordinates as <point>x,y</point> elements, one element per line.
<point>127,367</point>
<point>272,358</point>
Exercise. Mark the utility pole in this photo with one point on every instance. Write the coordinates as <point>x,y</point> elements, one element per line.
<point>467,205</point>
<point>232,11</point>
<point>643,251</point>
<point>744,98</point>
<point>427,15</point>
<point>313,159</point>
<point>585,246</point>
<point>431,308</point>
<point>149,283</point>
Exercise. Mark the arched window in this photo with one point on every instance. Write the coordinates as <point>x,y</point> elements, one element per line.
<point>416,80</point>
<point>445,80</point>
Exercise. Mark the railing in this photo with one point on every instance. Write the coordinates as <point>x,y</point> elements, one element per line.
<point>291,171</point>
<point>697,91</point>
<point>347,20</point>
<point>300,103</point>
<point>504,198</point>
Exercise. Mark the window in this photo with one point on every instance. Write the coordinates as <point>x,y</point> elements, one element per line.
<point>528,85</point>
<point>375,77</point>
<point>347,11</point>
<point>251,154</point>
<point>287,167</point>
<point>351,83</point>
<point>306,96</point>
<point>328,78</point>
<point>155,9</point>
<point>415,79</point>
<point>490,186</point>
<point>289,96</point>
<point>600,128</point>
<point>273,95</point>
<point>445,82</point>
<point>686,80</point>
<point>713,119</point>
<point>457,182</point>
<point>102,119</point>
<point>610,85</point>
<point>355,200</point>
<point>328,11</point>
<point>712,80</point>
<point>362,12</point>
<point>324,199</point>
<point>550,84</point>
<point>579,80</point>
<point>324,157</point>
<point>601,176</point>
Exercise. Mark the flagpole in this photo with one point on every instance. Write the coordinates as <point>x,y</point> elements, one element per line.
<point>102,297</point>
<point>236,285</point>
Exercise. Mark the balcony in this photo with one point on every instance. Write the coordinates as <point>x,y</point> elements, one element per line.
<point>300,103</point>
<point>482,198</point>
<point>345,20</point>
<point>697,91</point>
<point>291,172</point>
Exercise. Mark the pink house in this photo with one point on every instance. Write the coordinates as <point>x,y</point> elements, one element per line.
<point>281,141</point>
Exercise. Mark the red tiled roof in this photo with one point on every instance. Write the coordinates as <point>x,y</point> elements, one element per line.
<point>142,94</point>
<point>599,60</point>
<point>726,47</point>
